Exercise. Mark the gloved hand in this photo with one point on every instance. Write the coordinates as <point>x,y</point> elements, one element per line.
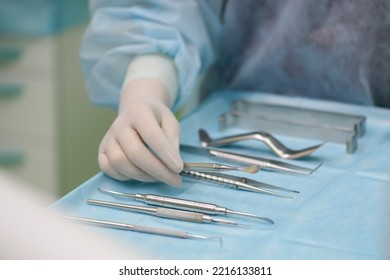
<point>143,141</point>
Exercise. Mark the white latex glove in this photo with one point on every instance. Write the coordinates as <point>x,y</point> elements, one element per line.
<point>143,141</point>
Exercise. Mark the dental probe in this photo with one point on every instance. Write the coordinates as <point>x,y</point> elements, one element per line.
<point>164,212</point>
<point>184,204</point>
<point>143,229</point>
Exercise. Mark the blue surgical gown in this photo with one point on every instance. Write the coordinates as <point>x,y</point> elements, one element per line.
<point>329,49</point>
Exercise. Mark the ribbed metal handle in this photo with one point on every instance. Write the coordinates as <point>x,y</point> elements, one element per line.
<point>235,183</point>
<point>238,158</point>
<point>159,231</point>
<point>180,215</point>
<point>183,204</point>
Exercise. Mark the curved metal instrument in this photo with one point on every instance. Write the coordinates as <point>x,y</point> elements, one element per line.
<point>274,144</point>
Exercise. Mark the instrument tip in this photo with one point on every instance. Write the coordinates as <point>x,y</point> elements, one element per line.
<point>203,137</point>
<point>115,192</point>
<point>196,236</point>
<point>249,215</point>
<point>109,191</point>
<point>228,222</point>
<point>251,168</point>
<point>268,220</point>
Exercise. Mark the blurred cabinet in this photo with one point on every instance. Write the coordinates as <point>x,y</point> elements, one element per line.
<point>28,135</point>
<point>81,125</point>
<point>49,131</point>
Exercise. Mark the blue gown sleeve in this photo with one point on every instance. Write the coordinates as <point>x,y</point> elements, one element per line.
<point>187,31</point>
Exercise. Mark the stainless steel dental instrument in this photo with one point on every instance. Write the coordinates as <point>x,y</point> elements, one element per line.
<point>184,204</point>
<point>264,185</point>
<point>274,144</point>
<point>264,163</point>
<point>229,181</point>
<point>253,183</point>
<point>204,166</point>
<point>300,115</point>
<point>163,212</point>
<point>143,229</point>
<point>288,127</point>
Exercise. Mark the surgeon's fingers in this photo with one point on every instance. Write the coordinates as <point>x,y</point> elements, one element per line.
<point>171,128</point>
<point>121,164</point>
<point>146,160</point>
<point>114,163</point>
<point>153,135</point>
<point>107,169</point>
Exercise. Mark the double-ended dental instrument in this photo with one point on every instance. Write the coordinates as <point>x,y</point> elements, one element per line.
<point>164,212</point>
<point>143,229</point>
<point>184,204</point>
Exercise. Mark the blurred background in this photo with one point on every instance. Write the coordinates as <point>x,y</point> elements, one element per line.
<point>49,131</point>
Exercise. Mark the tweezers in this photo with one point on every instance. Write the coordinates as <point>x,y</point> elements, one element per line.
<point>256,183</point>
<point>232,182</point>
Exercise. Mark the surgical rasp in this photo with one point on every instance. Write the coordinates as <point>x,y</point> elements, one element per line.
<point>184,204</point>
<point>263,163</point>
<point>229,181</point>
<point>143,229</point>
<point>163,212</point>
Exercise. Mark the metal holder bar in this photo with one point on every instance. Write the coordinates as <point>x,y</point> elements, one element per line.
<point>304,116</point>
